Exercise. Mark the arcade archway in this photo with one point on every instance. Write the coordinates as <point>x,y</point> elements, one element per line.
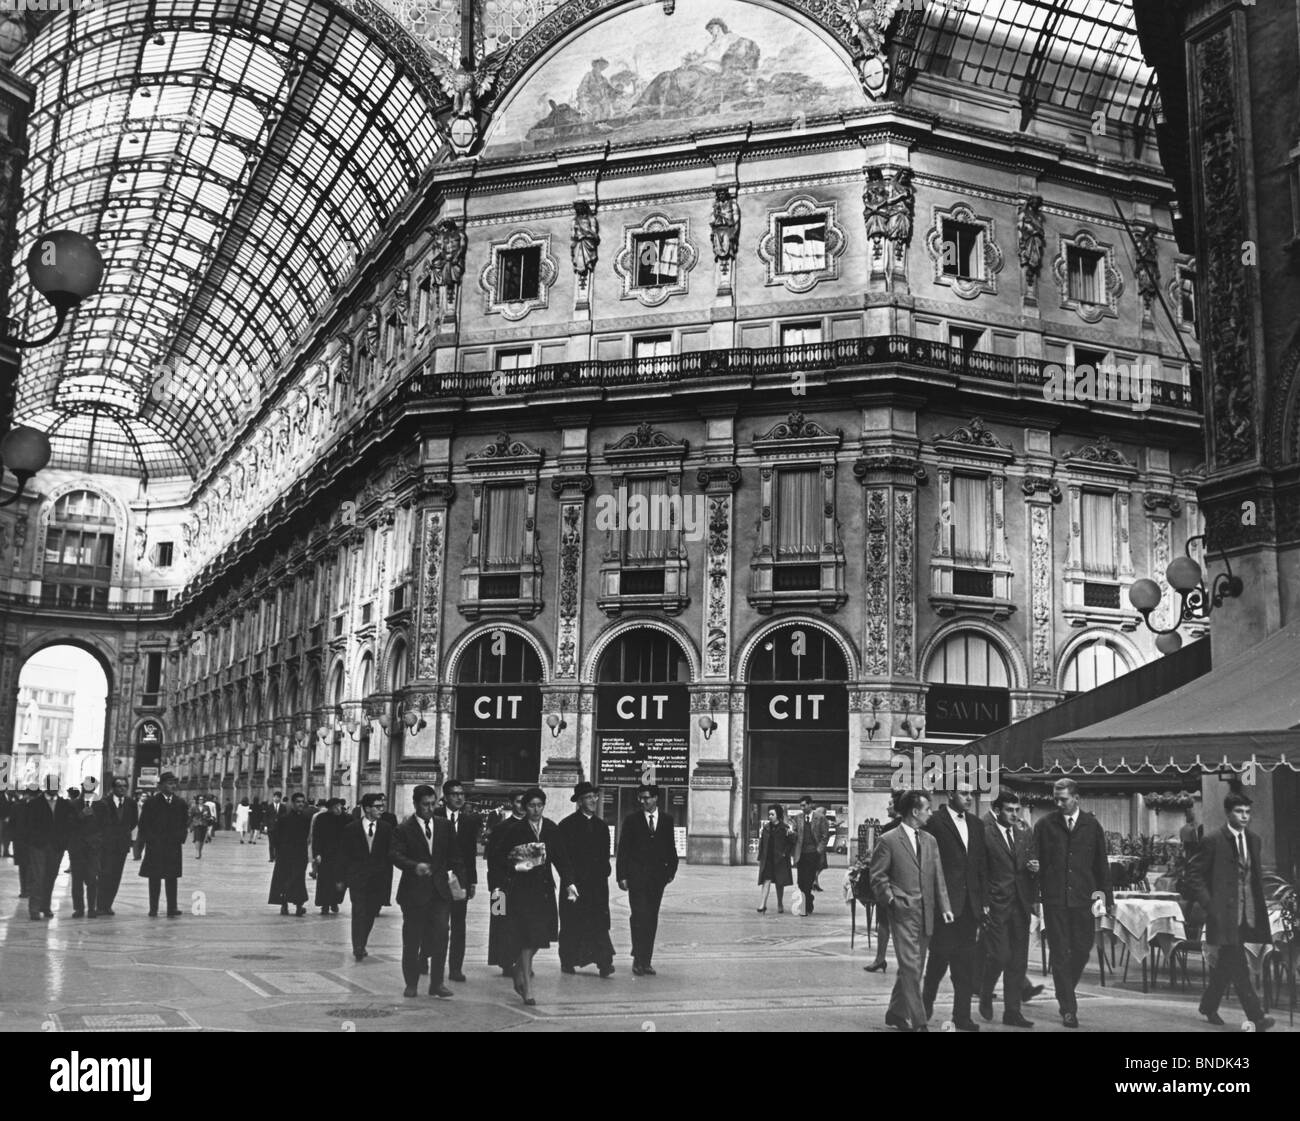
<point>61,730</point>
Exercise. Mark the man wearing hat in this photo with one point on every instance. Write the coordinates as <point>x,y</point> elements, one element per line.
<point>164,822</point>
<point>118,817</point>
<point>18,826</point>
<point>584,922</point>
<point>84,844</point>
<point>647,863</point>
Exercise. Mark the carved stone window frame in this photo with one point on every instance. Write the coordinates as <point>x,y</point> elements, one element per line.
<point>548,270</point>
<point>1098,467</point>
<point>1112,279</point>
<point>972,450</point>
<point>645,453</point>
<point>968,288</point>
<point>625,259</point>
<point>797,443</point>
<point>769,246</point>
<point>504,462</point>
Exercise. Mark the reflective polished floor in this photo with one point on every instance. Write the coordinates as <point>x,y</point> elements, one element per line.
<point>232,963</point>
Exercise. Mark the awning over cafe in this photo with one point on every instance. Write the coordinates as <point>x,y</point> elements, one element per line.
<point>1246,711</point>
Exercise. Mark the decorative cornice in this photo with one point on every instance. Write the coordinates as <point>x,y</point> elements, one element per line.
<point>1155,500</point>
<point>890,464</point>
<point>973,435</point>
<point>1102,452</point>
<point>797,427</point>
<point>645,437</point>
<point>504,448</point>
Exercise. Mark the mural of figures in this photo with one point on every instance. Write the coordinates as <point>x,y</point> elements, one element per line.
<point>644,74</point>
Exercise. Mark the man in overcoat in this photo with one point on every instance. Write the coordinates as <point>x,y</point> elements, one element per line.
<point>584,922</point>
<point>164,822</point>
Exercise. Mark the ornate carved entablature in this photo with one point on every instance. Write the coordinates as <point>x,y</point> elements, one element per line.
<point>975,441</point>
<point>1093,294</point>
<point>504,453</point>
<point>1102,458</point>
<point>882,466</point>
<point>803,244</point>
<point>643,443</point>
<point>963,247</point>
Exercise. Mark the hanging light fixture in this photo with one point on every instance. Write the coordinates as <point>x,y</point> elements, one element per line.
<point>65,267</point>
<point>24,451</point>
<point>1196,601</point>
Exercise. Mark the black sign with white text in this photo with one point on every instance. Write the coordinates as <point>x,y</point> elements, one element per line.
<point>642,706</point>
<point>969,709</point>
<point>808,706</point>
<point>498,706</point>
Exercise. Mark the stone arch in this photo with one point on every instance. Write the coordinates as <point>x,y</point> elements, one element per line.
<point>463,643</point>
<point>1017,669</point>
<point>613,630</point>
<point>120,524</point>
<point>1127,648</point>
<point>768,626</point>
<point>397,640</point>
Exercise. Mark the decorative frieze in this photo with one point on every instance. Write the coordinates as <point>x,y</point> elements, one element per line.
<point>1040,591</point>
<point>429,622</point>
<point>876,646</point>
<point>569,597</point>
<point>904,576</point>
<point>717,576</point>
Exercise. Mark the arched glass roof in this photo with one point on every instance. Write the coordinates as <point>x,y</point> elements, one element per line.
<point>231,159</point>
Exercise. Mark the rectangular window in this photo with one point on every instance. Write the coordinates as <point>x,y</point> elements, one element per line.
<point>1084,272</point>
<point>656,346</point>
<point>970,519</point>
<point>963,255</point>
<point>801,334</point>
<point>422,305</point>
<point>803,244</point>
<point>160,597</point>
<point>503,525</point>
<point>645,538</point>
<point>164,559</point>
<point>965,340</point>
<point>1094,358</point>
<point>799,516</point>
<point>519,274</point>
<point>658,260</point>
<point>1098,531</point>
<point>153,673</point>
<point>521,359</point>
<point>53,546</point>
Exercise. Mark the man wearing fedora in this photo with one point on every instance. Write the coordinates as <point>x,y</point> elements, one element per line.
<point>164,822</point>
<point>584,922</point>
<point>647,863</point>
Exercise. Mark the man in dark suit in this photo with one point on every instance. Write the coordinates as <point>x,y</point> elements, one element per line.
<point>1226,879</point>
<point>163,824</point>
<point>1073,877</point>
<point>1011,875</point>
<point>425,850</point>
<point>466,825</point>
<point>584,922</point>
<point>960,837</point>
<point>646,864</point>
<point>46,826</point>
<point>19,829</point>
<point>366,858</point>
<point>85,846</point>
<point>809,850</point>
<point>907,880</point>
<point>273,812</point>
<point>117,818</point>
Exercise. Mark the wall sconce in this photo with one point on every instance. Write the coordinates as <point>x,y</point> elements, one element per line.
<point>385,720</point>
<point>414,708</point>
<point>874,726</point>
<point>707,725</point>
<point>1196,602</point>
<point>301,736</point>
<point>354,721</point>
<point>557,724</point>
<point>64,267</point>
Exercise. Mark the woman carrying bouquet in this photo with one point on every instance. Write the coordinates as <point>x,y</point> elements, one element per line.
<point>525,854</point>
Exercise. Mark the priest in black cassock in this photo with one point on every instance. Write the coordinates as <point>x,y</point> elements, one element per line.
<point>584,922</point>
<point>289,878</point>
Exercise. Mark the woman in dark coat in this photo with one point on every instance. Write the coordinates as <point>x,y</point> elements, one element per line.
<point>326,839</point>
<point>497,951</point>
<point>526,853</point>
<point>775,843</point>
<point>289,878</point>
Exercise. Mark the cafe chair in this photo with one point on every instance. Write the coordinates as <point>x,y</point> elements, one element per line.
<point>1180,953</point>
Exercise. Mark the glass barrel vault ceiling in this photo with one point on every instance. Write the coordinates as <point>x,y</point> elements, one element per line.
<point>232,158</point>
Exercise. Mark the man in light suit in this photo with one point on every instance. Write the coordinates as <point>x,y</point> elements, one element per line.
<point>646,864</point>
<point>906,881</point>
<point>1226,879</point>
<point>1012,877</point>
<point>425,849</point>
<point>960,837</point>
<point>809,850</point>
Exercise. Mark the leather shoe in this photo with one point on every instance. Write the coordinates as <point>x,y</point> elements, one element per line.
<point>606,970</point>
<point>1264,1023</point>
<point>1214,1018</point>
<point>1069,1019</point>
<point>1017,1022</point>
<point>1030,993</point>
<point>153,914</point>
<point>876,967</point>
<point>410,990</point>
<point>110,911</point>
<point>360,955</point>
<point>173,914</point>
<point>440,991</point>
<point>648,971</point>
<point>965,1025</point>
<point>637,971</point>
<point>457,975</point>
<point>92,913</point>
<point>986,1008</point>
<point>894,1021</point>
<point>78,914</point>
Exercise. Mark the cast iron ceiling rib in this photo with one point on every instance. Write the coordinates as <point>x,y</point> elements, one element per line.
<point>1028,96</point>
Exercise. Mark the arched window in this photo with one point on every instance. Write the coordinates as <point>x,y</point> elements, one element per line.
<point>79,551</point>
<point>498,714</point>
<point>1093,664</point>
<point>968,658</point>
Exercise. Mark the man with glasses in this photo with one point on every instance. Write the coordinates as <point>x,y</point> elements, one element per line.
<point>118,817</point>
<point>466,825</point>
<point>646,864</point>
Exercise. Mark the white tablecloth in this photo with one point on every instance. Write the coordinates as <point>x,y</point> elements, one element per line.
<point>1136,923</point>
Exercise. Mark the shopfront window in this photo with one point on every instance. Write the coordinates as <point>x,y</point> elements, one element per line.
<point>498,714</point>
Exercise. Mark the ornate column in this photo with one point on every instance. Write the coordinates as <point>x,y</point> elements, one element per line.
<point>1041,491</point>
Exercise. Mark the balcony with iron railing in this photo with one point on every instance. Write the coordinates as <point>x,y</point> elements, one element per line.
<point>881,350</point>
<point>91,608</point>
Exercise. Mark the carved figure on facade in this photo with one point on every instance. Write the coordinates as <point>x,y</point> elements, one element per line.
<point>1031,238</point>
<point>402,300</point>
<point>447,262</point>
<point>1147,264</point>
<point>467,86</point>
<point>725,227</point>
<point>875,209</point>
<point>869,22</point>
<point>585,245</point>
<point>901,203</point>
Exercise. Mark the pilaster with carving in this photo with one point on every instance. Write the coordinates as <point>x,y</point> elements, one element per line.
<point>718,484</point>
<point>572,491</point>
<point>430,565</point>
